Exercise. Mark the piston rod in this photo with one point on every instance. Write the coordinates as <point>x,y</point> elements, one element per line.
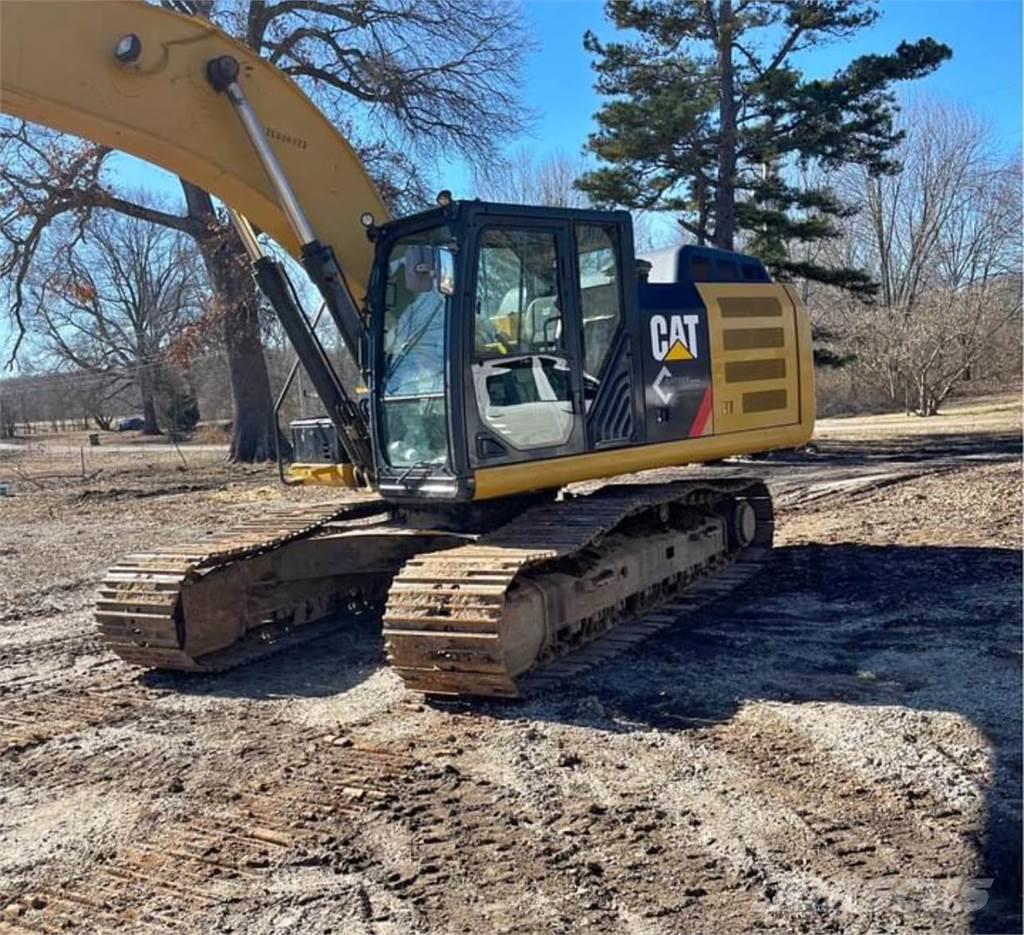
<point>318,259</point>
<point>322,267</point>
<point>223,75</point>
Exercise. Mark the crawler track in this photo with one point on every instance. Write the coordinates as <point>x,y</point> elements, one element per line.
<point>540,599</point>
<point>528,603</point>
<point>152,612</point>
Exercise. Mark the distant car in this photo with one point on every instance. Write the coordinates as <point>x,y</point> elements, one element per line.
<point>131,424</point>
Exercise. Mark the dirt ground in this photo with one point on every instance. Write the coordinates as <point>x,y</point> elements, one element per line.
<point>835,749</point>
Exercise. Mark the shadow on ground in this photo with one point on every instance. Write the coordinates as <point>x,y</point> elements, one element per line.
<point>338,655</point>
<point>907,449</point>
<point>924,628</point>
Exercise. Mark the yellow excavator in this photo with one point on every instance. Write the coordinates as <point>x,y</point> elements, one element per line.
<point>508,355</point>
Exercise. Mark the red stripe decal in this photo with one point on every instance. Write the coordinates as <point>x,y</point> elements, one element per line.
<point>703,412</point>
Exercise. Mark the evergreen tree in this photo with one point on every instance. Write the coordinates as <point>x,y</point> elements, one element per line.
<point>707,111</point>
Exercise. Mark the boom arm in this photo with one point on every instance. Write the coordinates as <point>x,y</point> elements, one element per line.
<point>281,165</point>
<point>57,67</point>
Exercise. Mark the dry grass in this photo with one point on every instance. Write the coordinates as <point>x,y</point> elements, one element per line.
<point>40,466</point>
<point>987,415</point>
<point>211,433</point>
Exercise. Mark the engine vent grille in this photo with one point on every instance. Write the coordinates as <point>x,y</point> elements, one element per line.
<point>764,401</point>
<point>743,371</point>
<point>752,339</point>
<point>750,307</point>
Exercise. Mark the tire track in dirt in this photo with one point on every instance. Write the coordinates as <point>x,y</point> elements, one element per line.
<point>34,719</point>
<point>42,650</point>
<point>831,844</point>
<point>623,866</point>
<point>184,869</point>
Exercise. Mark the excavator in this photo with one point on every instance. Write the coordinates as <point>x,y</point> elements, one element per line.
<point>520,368</point>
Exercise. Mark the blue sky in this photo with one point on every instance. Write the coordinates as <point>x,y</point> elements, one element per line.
<point>985,71</point>
<point>984,74</point>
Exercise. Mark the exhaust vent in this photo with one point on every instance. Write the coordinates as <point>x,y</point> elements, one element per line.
<point>744,371</point>
<point>765,401</point>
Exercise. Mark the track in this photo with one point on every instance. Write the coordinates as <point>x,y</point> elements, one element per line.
<point>220,601</point>
<point>564,586</point>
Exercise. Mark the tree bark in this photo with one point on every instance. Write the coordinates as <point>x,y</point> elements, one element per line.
<point>253,429</point>
<point>725,191</point>
<point>150,425</point>
<point>252,437</point>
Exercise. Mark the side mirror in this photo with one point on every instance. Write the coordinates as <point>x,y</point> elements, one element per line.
<point>429,268</point>
<point>445,271</point>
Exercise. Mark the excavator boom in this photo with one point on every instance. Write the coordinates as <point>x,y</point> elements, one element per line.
<point>58,68</point>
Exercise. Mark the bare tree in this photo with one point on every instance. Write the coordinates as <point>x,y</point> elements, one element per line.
<point>405,79</point>
<point>113,297</point>
<point>945,219</point>
<point>521,177</point>
<point>920,359</point>
<point>942,237</point>
<point>8,416</point>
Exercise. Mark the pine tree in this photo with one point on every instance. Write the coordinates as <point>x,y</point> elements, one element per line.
<point>707,115</point>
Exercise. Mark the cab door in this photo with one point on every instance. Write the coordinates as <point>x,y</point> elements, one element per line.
<point>603,291</point>
<point>524,384</point>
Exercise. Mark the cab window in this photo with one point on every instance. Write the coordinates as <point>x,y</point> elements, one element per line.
<point>416,301</point>
<point>600,295</point>
<point>517,304</point>
<point>521,374</point>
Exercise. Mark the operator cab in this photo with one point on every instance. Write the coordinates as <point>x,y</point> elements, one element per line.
<point>495,330</point>
<point>507,342</point>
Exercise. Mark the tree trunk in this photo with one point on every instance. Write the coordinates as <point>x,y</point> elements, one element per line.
<point>253,429</point>
<point>146,391</point>
<point>725,191</point>
<point>252,437</point>
<point>925,400</point>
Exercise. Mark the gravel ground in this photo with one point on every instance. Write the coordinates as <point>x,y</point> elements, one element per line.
<point>835,749</point>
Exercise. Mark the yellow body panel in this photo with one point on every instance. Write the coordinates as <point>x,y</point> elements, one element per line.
<point>758,328</point>
<point>322,475</point>
<point>537,475</point>
<point>734,432</point>
<point>57,68</point>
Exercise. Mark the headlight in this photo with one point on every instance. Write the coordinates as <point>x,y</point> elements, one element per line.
<point>128,49</point>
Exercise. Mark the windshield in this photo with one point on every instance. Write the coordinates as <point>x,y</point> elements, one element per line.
<point>417,289</point>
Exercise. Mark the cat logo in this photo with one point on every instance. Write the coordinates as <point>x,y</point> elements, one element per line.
<point>674,339</point>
